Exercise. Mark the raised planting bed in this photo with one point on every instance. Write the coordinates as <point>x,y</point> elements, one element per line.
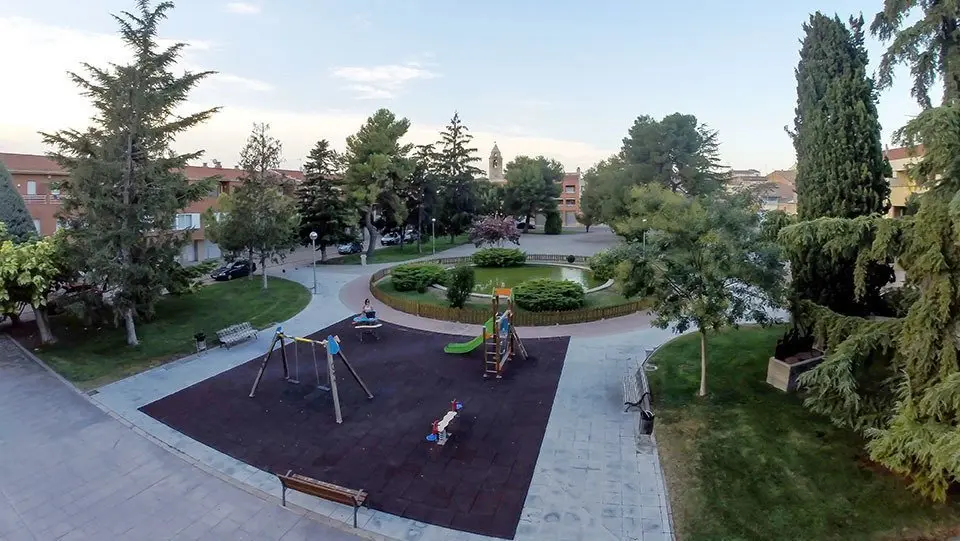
<point>783,374</point>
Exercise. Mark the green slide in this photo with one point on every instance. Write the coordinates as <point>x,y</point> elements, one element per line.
<point>467,347</point>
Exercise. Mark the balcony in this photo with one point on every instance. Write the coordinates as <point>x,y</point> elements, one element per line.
<point>42,199</point>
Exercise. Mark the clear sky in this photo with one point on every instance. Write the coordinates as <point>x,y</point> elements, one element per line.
<point>565,79</point>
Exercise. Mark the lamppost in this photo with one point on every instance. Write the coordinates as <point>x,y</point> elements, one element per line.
<point>313,242</point>
<point>433,234</point>
<point>644,237</point>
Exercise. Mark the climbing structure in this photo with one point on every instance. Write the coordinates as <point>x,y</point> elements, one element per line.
<point>501,342</point>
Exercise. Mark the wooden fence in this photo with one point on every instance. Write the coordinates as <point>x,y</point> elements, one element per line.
<point>477,316</point>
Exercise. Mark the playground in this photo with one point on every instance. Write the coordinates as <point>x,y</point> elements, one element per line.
<point>475,481</point>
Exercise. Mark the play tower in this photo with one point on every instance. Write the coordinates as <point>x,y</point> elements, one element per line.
<point>501,342</point>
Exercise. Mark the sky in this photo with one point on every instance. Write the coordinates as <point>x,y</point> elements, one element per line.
<point>564,79</point>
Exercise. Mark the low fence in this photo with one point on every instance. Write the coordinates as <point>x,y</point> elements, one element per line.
<point>477,316</point>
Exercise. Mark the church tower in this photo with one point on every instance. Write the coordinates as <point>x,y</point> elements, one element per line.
<point>496,165</point>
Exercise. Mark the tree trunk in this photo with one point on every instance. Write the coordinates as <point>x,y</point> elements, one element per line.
<point>131,327</point>
<point>588,228</point>
<point>323,253</point>
<point>371,232</point>
<point>250,259</point>
<point>43,325</point>
<point>263,271</point>
<point>703,364</point>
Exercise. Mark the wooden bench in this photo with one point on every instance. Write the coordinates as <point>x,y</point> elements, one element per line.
<point>234,334</point>
<point>636,392</point>
<point>326,491</point>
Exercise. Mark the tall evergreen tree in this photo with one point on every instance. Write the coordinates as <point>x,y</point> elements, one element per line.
<point>458,175</point>
<point>841,171</point>
<point>422,200</point>
<point>125,184</point>
<point>321,200</point>
<point>13,211</point>
<point>377,165</point>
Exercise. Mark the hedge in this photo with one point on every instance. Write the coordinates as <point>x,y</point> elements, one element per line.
<point>547,295</point>
<point>499,257</point>
<point>416,277</point>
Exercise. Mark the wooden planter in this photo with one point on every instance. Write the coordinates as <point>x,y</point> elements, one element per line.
<point>782,374</point>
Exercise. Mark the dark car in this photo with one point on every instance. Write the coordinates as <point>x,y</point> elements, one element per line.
<point>350,248</point>
<point>237,269</point>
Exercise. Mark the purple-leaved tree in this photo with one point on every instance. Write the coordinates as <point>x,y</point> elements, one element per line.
<point>494,231</point>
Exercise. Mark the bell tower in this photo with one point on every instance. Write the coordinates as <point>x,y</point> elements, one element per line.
<point>496,165</point>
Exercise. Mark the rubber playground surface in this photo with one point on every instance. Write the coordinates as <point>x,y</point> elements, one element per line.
<point>477,482</point>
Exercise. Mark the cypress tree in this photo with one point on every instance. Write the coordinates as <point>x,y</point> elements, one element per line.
<point>13,211</point>
<point>841,171</point>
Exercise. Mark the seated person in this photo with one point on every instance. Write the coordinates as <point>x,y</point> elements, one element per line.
<point>367,314</point>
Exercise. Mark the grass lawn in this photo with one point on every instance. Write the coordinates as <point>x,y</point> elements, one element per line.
<point>396,254</point>
<point>599,299</point>
<point>91,358</point>
<point>750,463</point>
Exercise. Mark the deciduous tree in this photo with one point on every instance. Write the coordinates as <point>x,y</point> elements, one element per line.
<point>29,271</point>
<point>494,230</point>
<point>125,183</point>
<point>533,185</point>
<point>705,265</point>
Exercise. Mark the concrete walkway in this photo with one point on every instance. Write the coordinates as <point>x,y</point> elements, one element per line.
<point>68,471</point>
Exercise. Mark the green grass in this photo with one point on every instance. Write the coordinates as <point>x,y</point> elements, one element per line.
<point>396,254</point>
<point>599,299</point>
<point>91,358</point>
<point>748,462</point>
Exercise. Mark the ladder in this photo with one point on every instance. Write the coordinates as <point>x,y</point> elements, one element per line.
<point>491,364</point>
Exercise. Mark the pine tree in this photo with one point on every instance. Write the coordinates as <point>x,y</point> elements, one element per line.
<point>13,211</point>
<point>458,175</point>
<point>377,165</point>
<point>841,171</point>
<point>321,201</point>
<point>125,183</point>
<point>897,380</point>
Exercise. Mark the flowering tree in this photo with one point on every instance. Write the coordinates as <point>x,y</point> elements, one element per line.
<point>494,230</point>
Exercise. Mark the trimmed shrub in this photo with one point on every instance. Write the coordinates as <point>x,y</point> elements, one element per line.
<point>414,277</point>
<point>553,225</point>
<point>499,257</point>
<point>547,295</point>
<point>460,282</point>
<point>571,258</point>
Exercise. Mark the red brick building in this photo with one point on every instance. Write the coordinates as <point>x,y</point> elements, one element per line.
<point>38,178</point>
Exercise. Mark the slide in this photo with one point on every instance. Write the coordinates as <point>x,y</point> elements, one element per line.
<point>467,347</point>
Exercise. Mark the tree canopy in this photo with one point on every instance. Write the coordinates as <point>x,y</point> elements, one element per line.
<point>13,211</point>
<point>126,184</point>
<point>457,173</point>
<point>321,199</point>
<point>533,185</point>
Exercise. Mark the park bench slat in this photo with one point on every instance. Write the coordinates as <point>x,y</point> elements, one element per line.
<point>323,490</point>
<point>235,334</point>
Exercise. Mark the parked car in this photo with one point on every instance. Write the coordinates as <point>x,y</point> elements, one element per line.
<point>237,269</point>
<point>347,248</point>
<point>411,236</point>
<point>390,239</point>
<point>528,225</point>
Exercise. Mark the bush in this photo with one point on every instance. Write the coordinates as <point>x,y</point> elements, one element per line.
<point>604,264</point>
<point>460,282</point>
<point>499,257</point>
<point>415,277</point>
<point>552,225</point>
<point>546,295</point>
<point>571,258</point>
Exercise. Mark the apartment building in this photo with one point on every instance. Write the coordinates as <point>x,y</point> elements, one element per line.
<point>38,179</point>
<point>901,185</point>
<point>777,190</point>
<point>571,188</point>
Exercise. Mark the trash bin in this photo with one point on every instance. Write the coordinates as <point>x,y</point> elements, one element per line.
<point>363,260</point>
<point>646,422</point>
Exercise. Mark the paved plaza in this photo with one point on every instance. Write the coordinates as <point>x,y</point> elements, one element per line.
<point>595,477</point>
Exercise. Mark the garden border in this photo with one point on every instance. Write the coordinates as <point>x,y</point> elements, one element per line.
<point>478,317</point>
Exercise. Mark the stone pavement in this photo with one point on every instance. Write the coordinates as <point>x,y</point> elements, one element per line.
<point>68,471</point>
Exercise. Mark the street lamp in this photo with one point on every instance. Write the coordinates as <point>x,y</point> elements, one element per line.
<point>644,237</point>
<point>313,242</point>
<point>433,234</point>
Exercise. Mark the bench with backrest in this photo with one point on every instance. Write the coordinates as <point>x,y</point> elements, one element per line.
<point>636,391</point>
<point>234,334</point>
<point>320,489</point>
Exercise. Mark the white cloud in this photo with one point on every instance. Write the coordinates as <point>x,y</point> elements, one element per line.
<point>48,101</point>
<point>381,82</point>
<point>243,8</point>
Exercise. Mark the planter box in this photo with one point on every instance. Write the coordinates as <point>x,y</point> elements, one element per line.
<point>782,374</point>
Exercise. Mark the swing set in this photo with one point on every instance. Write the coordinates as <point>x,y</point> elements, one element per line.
<point>332,347</point>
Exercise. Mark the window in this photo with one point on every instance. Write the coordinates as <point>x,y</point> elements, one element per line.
<point>187,221</point>
<point>570,202</point>
<point>36,225</point>
<point>570,189</point>
<point>31,187</point>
